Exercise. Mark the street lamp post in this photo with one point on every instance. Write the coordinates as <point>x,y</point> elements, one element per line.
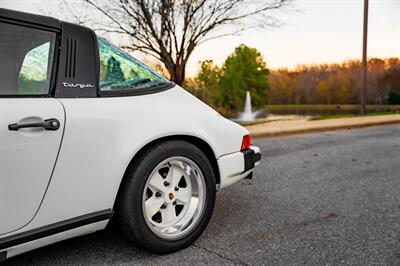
<point>363,94</point>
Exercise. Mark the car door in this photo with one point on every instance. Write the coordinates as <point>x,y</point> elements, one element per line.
<point>31,122</point>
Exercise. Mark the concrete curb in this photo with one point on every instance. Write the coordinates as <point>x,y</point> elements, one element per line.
<point>267,133</point>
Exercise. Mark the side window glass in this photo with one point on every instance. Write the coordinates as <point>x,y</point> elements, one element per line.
<point>119,71</point>
<point>26,60</point>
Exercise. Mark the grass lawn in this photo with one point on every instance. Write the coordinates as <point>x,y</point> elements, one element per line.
<point>325,117</point>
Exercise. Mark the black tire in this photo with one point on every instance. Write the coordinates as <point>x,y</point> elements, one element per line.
<point>129,211</point>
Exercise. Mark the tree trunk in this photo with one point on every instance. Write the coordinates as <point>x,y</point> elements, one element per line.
<point>176,73</point>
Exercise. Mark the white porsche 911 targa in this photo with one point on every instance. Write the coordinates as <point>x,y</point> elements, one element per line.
<point>89,133</point>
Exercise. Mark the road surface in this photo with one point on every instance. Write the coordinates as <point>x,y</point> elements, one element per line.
<point>317,199</point>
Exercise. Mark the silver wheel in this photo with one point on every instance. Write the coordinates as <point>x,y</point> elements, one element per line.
<point>174,198</point>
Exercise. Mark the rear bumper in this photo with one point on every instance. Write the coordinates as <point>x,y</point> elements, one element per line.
<point>251,157</point>
<point>237,166</point>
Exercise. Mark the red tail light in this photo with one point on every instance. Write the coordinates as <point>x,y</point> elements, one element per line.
<point>246,143</point>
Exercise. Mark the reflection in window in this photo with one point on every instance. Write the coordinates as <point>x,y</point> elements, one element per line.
<point>120,71</point>
<point>33,77</point>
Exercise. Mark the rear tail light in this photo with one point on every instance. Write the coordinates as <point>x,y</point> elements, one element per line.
<point>246,143</point>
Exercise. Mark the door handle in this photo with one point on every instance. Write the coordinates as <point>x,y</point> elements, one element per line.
<point>49,124</point>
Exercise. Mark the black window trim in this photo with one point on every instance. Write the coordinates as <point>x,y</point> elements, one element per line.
<point>29,24</point>
<point>137,92</point>
<point>54,68</point>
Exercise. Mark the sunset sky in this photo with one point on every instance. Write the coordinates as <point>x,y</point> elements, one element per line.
<point>313,31</point>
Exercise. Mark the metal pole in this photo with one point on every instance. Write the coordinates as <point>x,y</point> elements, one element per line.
<point>363,94</point>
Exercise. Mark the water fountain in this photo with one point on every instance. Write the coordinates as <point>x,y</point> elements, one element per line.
<point>247,114</point>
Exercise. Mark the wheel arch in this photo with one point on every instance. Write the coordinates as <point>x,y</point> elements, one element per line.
<point>198,142</point>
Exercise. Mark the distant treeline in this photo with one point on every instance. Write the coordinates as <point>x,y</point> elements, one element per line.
<point>224,87</point>
<point>336,83</point>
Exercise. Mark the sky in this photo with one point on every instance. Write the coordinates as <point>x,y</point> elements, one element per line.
<point>312,31</point>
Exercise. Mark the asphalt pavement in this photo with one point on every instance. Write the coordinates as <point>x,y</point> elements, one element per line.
<point>316,199</point>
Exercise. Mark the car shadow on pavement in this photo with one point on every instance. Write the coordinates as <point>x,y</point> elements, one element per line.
<point>109,248</point>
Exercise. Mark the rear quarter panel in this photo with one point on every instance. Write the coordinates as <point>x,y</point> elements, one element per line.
<point>102,135</point>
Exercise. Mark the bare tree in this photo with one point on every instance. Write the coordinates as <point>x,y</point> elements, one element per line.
<point>170,30</point>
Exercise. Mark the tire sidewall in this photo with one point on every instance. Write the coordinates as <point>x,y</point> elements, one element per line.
<point>132,207</point>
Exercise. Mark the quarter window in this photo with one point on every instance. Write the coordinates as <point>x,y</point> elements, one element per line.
<point>26,60</point>
<point>120,72</point>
